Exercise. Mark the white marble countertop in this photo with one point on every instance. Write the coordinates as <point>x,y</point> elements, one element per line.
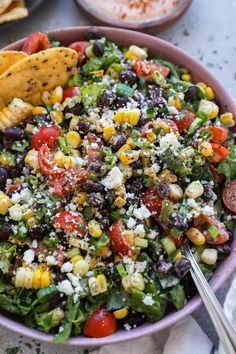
<point>207,31</point>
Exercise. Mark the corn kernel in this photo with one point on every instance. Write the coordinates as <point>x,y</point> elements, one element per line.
<point>39,110</point>
<point>20,276</point>
<point>126,282</point>
<point>123,148</point>
<point>74,123</point>
<point>92,263</point>
<point>119,116</point>
<point>177,257</point>
<point>227,119</point>
<point>5,203</point>
<point>195,236</point>
<point>66,161</point>
<point>129,236</point>
<point>98,73</point>
<point>28,279</point>
<point>151,136</point>
<point>37,278</point>
<point>128,156</point>
<point>32,159</point>
<point>205,149</point>
<point>121,313</point>
<point>186,77</point>
<point>210,108</point>
<point>81,198</point>
<point>134,117</point>
<point>45,279</point>
<point>209,93</point>
<point>75,259</point>
<point>119,202</point>
<point>58,158</point>
<point>137,281</point>
<point>202,85</point>
<point>209,256</point>
<point>102,283</point>
<point>103,252</point>
<point>149,171</point>
<point>15,212</point>
<point>46,98</point>
<point>178,104</point>
<point>194,190</point>
<point>93,286</point>
<point>56,116</point>
<point>57,94</point>
<point>73,139</point>
<point>108,132</point>
<point>167,176</point>
<point>94,228</point>
<point>131,142</point>
<point>42,266</point>
<point>136,53</point>
<point>81,267</point>
<point>176,192</point>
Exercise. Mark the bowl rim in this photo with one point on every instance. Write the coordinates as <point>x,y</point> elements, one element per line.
<point>226,267</point>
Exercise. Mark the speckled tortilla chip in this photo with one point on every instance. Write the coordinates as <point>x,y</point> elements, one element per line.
<point>8,58</point>
<point>4,5</point>
<point>15,11</point>
<point>36,73</point>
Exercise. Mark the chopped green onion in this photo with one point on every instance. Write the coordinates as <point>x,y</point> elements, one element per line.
<point>175,232</point>
<point>168,245</point>
<point>213,232</point>
<point>195,125</point>
<point>121,270</point>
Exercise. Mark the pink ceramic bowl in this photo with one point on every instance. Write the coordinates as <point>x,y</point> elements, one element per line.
<point>200,73</point>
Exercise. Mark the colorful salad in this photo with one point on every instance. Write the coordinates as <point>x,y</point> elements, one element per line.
<point>104,175</point>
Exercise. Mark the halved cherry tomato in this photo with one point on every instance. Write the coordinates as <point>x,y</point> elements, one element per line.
<point>186,121</point>
<point>70,92</point>
<point>219,153</point>
<point>229,196</point>
<point>118,241</point>
<point>36,42</point>
<point>204,220</point>
<point>153,201</point>
<point>48,134</point>
<point>80,47</point>
<point>219,134</point>
<point>146,70</point>
<point>93,154</point>
<point>72,180</point>
<point>100,323</point>
<point>47,164</point>
<point>70,222</point>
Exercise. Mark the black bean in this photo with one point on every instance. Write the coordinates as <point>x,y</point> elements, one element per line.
<point>164,267</point>
<point>91,186</point>
<point>208,192</point>
<point>189,286</point>
<point>41,119</point>
<point>182,182</point>
<point>163,190</point>
<point>191,94</point>
<point>133,319</point>
<point>97,167</point>
<point>223,249</point>
<point>178,221</point>
<point>16,171</point>
<point>135,201</point>
<point>135,186</point>
<point>5,231</point>
<point>93,33</point>
<point>95,199</point>
<point>121,102</point>
<point>128,77</point>
<point>98,49</point>
<point>138,164</point>
<point>110,197</point>
<point>7,143</point>
<point>60,277</point>
<point>182,267</point>
<point>158,102</point>
<point>107,98</point>
<point>154,91</point>
<point>105,222</point>
<point>83,127</point>
<point>118,141</point>
<point>14,133</point>
<point>38,231</point>
<point>3,177</point>
<point>74,110</point>
<point>55,300</point>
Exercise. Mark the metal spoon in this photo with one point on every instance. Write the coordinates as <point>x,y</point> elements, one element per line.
<point>223,327</point>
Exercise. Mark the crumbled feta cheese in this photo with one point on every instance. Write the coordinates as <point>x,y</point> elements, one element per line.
<point>34,244</point>
<point>131,223</point>
<point>127,327</point>
<point>208,211</point>
<point>26,195</point>
<point>73,279</point>
<point>169,139</point>
<point>16,197</point>
<point>191,202</point>
<point>114,178</point>
<point>139,229</point>
<point>28,256</point>
<point>51,260</point>
<point>141,213</point>
<point>148,300</point>
<point>65,287</point>
<point>66,267</point>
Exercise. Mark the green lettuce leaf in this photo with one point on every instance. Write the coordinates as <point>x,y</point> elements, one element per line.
<point>7,251</point>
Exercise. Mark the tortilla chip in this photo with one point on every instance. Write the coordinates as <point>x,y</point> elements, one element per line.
<point>4,5</point>
<point>15,11</point>
<point>8,58</point>
<point>36,73</point>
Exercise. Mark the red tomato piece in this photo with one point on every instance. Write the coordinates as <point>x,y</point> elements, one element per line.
<point>177,241</point>
<point>70,92</point>
<point>47,164</point>
<point>48,134</point>
<point>153,201</point>
<point>146,70</point>
<point>218,177</point>
<point>72,180</point>
<point>80,47</point>
<point>36,42</point>
<point>172,124</point>
<point>93,154</point>
<point>219,153</point>
<point>229,196</point>
<point>118,242</point>
<point>100,323</point>
<point>219,134</point>
<point>70,222</point>
<point>59,255</point>
<point>186,121</point>
<point>204,220</point>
